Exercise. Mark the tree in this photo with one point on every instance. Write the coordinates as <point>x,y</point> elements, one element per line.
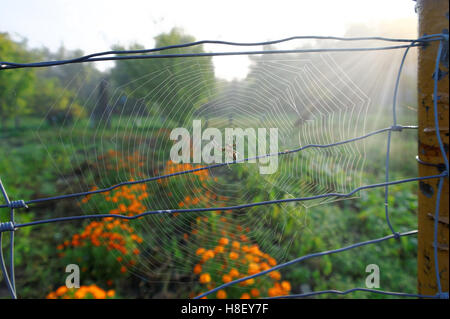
<point>16,86</point>
<point>171,87</point>
<point>58,105</point>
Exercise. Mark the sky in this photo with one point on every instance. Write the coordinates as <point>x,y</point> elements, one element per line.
<point>96,25</point>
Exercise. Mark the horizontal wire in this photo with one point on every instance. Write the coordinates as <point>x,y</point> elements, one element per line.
<point>209,209</point>
<point>10,65</point>
<point>345,292</point>
<point>297,260</point>
<point>94,57</point>
<point>146,180</point>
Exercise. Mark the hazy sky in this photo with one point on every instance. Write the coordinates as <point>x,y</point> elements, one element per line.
<point>95,25</point>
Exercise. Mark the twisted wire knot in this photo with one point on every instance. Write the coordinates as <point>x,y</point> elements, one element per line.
<point>18,204</point>
<point>397,128</point>
<point>443,295</point>
<point>7,226</point>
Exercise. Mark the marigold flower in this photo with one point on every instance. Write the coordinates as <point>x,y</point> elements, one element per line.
<point>61,290</point>
<point>236,245</point>
<point>51,295</point>
<point>205,278</point>
<point>254,292</point>
<point>200,251</point>
<point>248,282</point>
<point>272,261</point>
<point>221,294</point>
<point>81,292</point>
<point>272,292</point>
<point>208,255</point>
<point>226,278</point>
<point>286,285</point>
<point>245,296</point>
<point>275,275</point>
<point>223,241</point>
<point>197,269</point>
<point>233,255</point>
<point>253,268</point>
<point>234,272</point>
<point>218,249</point>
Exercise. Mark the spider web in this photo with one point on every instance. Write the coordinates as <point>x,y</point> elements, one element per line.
<point>309,99</point>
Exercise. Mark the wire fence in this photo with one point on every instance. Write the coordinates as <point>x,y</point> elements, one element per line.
<point>11,226</point>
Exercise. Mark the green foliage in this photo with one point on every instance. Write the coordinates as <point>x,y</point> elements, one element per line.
<point>59,104</point>
<point>166,85</point>
<point>16,86</point>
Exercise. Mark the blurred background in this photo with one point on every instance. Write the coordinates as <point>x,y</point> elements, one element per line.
<point>86,126</point>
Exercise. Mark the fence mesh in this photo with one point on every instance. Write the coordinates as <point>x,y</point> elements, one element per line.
<point>11,226</point>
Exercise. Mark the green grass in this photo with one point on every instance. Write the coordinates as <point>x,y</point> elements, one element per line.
<point>42,161</point>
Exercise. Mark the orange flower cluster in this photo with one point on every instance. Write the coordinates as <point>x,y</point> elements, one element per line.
<point>235,260</point>
<point>172,167</point>
<point>133,195</point>
<point>84,292</point>
<point>114,234</point>
<point>114,160</point>
<point>106,233</point>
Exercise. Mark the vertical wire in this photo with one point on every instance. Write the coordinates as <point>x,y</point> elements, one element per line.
<point>4,271</point>
<point>11,284</point>
<point>435,240</point>
<point>11,253</point>
<point>441,180</point>
<point>388,151</point>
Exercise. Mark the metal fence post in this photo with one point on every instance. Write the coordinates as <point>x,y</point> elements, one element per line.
<point>433,18</point>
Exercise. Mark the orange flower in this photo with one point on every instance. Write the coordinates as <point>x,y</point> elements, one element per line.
<point>234,272</point>
<point>61,290</point>
<point>110,293</point>
<point>245,296</point>
<point>200,251</point>
<point>51,295</point>
<point>272,261</point>
<point>208,255</point>
<point>273,292</point>
<point>221,294</point>
<point>223,241</point>
<point>247,282</point>
<point>286,285</point>
<point>236,245</point>
<point>254,292</point>
<point>233,255</point>
<point>218,249</point>
<point>226,278</point>
<point>275,275</point>
<point>205,278</point>
<point>197,269</point>
<point>253,268</point>
<point>123,269</point>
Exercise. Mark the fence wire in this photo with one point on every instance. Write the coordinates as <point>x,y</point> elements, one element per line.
<point>10,226</point>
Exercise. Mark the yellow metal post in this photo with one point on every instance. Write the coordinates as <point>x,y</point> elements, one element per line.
<point>433,18</point>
